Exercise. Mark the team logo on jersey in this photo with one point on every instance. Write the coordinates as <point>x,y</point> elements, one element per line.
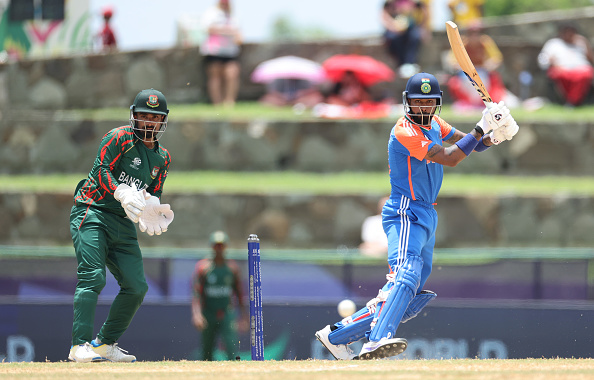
<point>154,172</point>
<point>153,101</point>
<point>425,86</point>
<point>136,162</point>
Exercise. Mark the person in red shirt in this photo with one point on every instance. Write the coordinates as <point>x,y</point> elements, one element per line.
<point>108,39</point>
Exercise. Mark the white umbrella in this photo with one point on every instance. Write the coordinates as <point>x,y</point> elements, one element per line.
<point>288,67</point>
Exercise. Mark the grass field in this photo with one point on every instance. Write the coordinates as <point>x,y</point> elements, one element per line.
<point>460,369</point>
<point>316,183</point>
<point>253,110</point>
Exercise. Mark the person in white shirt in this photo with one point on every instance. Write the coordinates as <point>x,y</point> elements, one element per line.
<point>568,61</point>
<point>221,49</point>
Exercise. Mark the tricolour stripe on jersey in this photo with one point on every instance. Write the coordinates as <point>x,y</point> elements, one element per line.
<point>404,230</point>
<point>410,182</point>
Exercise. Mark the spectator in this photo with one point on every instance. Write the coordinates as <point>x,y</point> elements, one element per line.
<point>108,39</point>
<point>374,239</point>
<point>487,58</point>
<point>464,12</point>
<point>290,92</point>
<point>568,61</point>
<point>215,281</point>
<point>349,91</point>
<point>221,53</point>
<point>405,25</point>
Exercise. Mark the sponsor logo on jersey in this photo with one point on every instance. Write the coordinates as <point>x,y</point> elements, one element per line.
<point>153,101</point>
<point>129,180</point>
<point>423,143</point>
<point>154,172</point>
<point>136,162</point>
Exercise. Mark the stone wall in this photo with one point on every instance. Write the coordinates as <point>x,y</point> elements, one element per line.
<point>49,142</point>
<point>309,221</point>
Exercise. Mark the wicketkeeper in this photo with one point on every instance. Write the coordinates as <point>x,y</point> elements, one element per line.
<point>124,187</point>
<point>416,157</point>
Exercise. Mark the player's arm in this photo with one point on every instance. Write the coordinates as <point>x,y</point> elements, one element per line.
<point>453,155</point>
<point>199,279</point>
<point>238,290</point>
<point>109,155</point>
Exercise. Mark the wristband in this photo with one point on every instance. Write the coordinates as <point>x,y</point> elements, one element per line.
<point>481,147</point>
<point>479,130</point>
<point>467,144</point>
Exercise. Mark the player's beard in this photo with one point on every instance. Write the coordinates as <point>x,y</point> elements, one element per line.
<point>422,118</point>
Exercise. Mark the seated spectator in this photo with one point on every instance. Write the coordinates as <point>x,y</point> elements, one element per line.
<point>290,92</point>
<point>568,61</point>
<point>406,26</point>
<point>374,239</point>
<point>349,91</point>
<point>487,58</point>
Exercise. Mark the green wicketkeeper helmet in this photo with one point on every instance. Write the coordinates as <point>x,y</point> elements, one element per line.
<point>150,101</point>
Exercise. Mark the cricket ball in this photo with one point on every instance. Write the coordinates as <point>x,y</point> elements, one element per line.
<point>346,308</point>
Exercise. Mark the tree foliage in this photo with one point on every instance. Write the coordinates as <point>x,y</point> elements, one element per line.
<point>510,7</point>
<point>284,29</point>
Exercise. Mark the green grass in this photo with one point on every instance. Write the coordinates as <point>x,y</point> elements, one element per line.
<point>315,183</point>
<point>467,369</point>
<point>253,110</point>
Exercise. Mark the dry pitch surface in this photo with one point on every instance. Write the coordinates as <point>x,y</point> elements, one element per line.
<point>554,369</point>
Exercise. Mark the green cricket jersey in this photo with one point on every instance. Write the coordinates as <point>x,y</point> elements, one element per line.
<point>214,285</point>
<point>123,158</point>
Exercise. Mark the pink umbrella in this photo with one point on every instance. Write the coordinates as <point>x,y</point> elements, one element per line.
<point>288,67</point>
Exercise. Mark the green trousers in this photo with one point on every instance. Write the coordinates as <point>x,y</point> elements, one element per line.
<point>223,325</point>
<point>102,239</point>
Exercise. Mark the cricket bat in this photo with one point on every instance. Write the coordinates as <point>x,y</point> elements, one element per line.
<point>464,61</point>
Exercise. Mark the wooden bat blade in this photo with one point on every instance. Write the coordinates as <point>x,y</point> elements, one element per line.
<point>464,61</point>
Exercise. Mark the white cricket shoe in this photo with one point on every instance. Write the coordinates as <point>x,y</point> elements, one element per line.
<point>385,348</point>
<point>112,352</point>
<point>339,351</point>
<point>83,353</point>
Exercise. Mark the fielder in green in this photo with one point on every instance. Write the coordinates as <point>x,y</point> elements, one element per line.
<point>124,187</point>
<point>215,282</point>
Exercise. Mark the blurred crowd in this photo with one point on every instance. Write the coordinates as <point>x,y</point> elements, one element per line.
<point>354,86</point>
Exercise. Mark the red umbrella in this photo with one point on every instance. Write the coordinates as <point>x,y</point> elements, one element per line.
<point>368,70</point>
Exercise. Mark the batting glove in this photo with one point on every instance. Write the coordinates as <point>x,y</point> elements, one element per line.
<point>132,200</point>
<point>494,115</point>
<point>505,132</point>
<point>156,217</point>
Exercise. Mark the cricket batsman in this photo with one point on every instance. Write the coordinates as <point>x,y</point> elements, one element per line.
<point>123,188</point>
<point>416,157</point>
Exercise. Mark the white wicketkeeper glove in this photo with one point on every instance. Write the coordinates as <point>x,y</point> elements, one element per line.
<point>505,132</point>
<point>494,115</point>
<point>156,217</point>
<point>132,200</point>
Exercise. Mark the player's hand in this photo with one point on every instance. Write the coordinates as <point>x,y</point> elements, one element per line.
<point>505,132</point>
<point>155,217</point>
<point>494,115</point>
<point>199,321</point>
<point>132,200</point>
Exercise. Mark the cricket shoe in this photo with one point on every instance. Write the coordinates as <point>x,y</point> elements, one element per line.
<point>112,352</point>
<point>385,348</point>
<point>83,353</point>
<point>339,351</point>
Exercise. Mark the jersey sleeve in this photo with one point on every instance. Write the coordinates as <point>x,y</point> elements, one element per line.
<point>411,139</point>
<point>110,152</point>
<point>447,131</point>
